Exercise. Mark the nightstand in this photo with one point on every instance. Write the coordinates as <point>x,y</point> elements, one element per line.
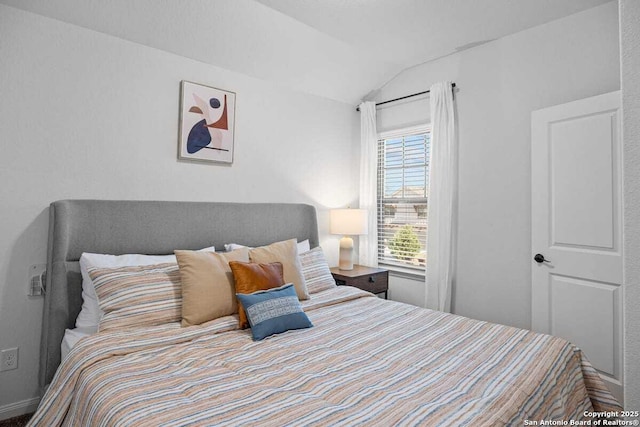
<point>374,280</point>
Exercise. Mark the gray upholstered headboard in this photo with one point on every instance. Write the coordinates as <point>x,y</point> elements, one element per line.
<point>147,227</point>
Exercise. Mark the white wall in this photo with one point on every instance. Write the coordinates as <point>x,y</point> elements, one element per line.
<point>499,84</point>
<point>86,115</point>
<point>630,81</point>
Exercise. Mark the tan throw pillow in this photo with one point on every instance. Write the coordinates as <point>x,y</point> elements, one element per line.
<point>250,277</point>
<point>285,252</point>
<point>208,291</point>
<point>316,271</point>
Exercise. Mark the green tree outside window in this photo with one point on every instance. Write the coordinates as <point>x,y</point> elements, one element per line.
<point>405,244</point>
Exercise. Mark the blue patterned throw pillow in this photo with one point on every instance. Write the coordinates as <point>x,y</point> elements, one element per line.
<point>274,311</point>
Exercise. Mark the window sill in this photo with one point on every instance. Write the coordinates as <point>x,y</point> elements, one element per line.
<point>407,273</point>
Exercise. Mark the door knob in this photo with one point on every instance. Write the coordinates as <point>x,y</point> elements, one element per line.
<point>539,258</point>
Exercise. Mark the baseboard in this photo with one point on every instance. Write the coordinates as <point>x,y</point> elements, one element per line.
<point>19,408</point>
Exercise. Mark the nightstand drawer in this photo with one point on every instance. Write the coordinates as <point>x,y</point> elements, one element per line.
<point>374,280</point>
<point>374,283</point>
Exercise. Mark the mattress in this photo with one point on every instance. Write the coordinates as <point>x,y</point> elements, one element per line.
<point>366,361</point>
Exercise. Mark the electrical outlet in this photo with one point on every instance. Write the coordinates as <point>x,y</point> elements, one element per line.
<point>9,359</point>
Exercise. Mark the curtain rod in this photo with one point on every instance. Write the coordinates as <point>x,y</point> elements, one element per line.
<point>453,85</point>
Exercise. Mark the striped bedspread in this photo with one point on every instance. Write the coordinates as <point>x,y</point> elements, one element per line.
<point>365,362</point>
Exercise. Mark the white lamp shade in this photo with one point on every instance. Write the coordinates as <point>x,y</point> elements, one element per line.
<point>349,222</point>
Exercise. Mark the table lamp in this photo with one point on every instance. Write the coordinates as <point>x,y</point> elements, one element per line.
<point>348,222</point>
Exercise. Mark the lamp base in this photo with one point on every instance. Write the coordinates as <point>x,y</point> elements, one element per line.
<point>346,253</point>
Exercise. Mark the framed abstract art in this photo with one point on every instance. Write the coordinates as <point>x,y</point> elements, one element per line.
<point>207,119</point>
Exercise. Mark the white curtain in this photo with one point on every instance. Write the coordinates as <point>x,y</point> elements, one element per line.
<point>368,249</point>
<point>442,206</point>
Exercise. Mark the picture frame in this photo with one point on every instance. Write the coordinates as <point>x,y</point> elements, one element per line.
<point>207,122</point>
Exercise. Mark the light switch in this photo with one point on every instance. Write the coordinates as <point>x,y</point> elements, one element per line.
<point>36,279</point>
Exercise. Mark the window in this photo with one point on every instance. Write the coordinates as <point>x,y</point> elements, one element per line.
<point>403,185</point>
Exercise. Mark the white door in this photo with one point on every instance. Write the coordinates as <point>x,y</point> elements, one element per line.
<point>577,227</point>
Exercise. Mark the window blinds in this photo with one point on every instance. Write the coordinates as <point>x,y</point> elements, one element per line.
<point>403,174</point>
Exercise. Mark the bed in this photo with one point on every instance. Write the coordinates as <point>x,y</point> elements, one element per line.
<point>366,361</point>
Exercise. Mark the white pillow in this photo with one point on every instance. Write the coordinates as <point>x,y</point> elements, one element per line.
<point>71,338</point>
<point>302,246</point>
<point>90,314</point>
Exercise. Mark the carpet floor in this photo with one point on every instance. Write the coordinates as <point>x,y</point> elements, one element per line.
<point>20,421</point>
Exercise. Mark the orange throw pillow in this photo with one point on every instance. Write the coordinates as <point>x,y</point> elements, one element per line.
<point>251,277</point>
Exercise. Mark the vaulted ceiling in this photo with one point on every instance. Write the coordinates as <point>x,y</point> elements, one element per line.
<point>339,49</point>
